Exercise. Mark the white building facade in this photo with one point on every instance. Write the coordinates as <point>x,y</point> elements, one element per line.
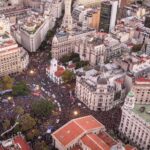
<point>135,122</point>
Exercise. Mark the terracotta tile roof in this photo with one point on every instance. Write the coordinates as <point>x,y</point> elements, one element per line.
<point>60,71</point>
<point>107,138</point>
<point>88,123</point>
<point>94,142</point>
<point>68,133</point>
<point>75,129</point>
<point>21,141</point>
<point>142,80</point>
<point>129,147</point>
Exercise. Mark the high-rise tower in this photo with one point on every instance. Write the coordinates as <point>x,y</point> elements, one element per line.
<point>67,21</point>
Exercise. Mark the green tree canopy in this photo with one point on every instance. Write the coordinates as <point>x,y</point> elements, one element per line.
<point>136,48</point>
<point>41,146</point>
<point>26,122</point>
<point>42,108</point>
<point>6,124</point>
<point>67,76</point>
<point>6,83</point>
<point>20,89</point>
<point>70,57</point>
<point>32,134</point>
<point>19,110</point>
<point>81,64</point>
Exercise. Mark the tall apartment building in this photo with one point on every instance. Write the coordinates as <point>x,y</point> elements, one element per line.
<point>135,120</point>
<point>100,90</point>
<point>108,15</point>
<point>13,58</point>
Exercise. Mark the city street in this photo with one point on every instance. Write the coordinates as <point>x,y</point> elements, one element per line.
<point>60,94</point>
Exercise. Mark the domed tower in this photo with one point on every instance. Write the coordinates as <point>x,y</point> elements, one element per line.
<point>129,101</point>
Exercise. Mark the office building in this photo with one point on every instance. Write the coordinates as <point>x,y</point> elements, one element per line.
<point>108,15</point>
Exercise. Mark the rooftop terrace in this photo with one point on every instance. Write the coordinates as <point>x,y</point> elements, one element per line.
<point>142,111</point>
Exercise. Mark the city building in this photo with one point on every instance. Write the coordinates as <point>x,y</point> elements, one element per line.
<point>100,88</point>
<point>135,121</point>
<point>93,50</point>
<point>108,15</point>
<point>13,59</point>
<point>141,88</point>
<point>93,18</point>
<point>90,16</point>
<point>147,21</point>
<point>15,143</point>
<point>146,3</point>
<point>67,20</point>
<point>85,133</point>
<point>89,3</point>
<point>65,43</point>
<point>32,31</point>
<point>55,71</point>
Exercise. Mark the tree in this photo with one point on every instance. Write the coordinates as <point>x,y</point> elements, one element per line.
<point>7,83</point>
<point>42,108</point>
<point>136,48</point>
<point>6,124</point>
<point>32,134</point>
<point>81,64</point>
<point>19,110</point>
<point>26,122</point>
<point>67,76</point>
<point>41,146</point>
<point>20,89</point>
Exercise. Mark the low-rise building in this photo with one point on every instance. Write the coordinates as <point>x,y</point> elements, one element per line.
<point>55,71</point>
<point>85,133</point>
<point>17,142</point>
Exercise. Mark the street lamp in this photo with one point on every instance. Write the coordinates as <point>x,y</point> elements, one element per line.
<point>75,113</point>
<point>31,72</point>
<point>9,98</point>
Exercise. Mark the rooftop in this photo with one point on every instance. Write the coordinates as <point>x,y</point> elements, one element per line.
<point>142,111</point>
<point>75,128</point>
